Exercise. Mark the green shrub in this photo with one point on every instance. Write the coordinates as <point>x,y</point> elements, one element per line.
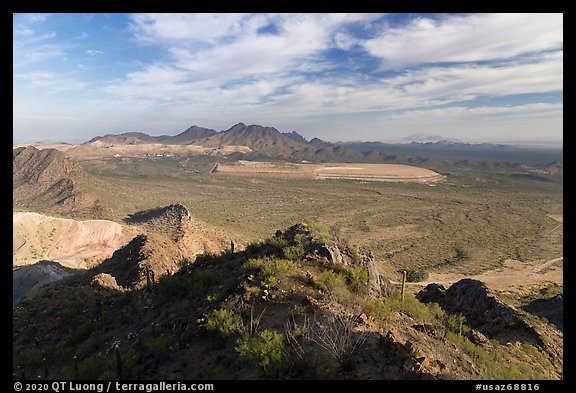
<point>357,278</point>
<point>300,240</point>
<point>354,252</point>
<point>171,287</point>
<point>202,280</point>
<point>277,267</point>
<point>94,367</point>
<point>320,232</point>
<point>185,262</point>
<point>333,284</point>
<point>91,345</point>
<point>294,253</point>
<point>436,310</point>
<point>158,346</point>
<point>253,248</point>
<point>271,269</point>
<point>197,283</point>
<point>224,322</point>
<point>415,308</point>
<point>378,309</point>
<point>154,341</point>
<point>266,347</point>
<point>298,310</point>
<point>491,365</point>
<point>31,358</point>
<point>252,263</point>
<point>384,309</point>
<point>461,254</point>
<point>456,323</point>
<point>207,258</point>
<point>81,333</point>
<point>274,246</point>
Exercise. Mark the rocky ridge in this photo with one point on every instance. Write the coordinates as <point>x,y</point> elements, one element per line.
<point>46,180</point>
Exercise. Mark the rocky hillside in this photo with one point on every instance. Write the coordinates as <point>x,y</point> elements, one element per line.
<point>174,222</point>
<point>299,305</point>
<point>142,261</point>
<point>152,245</point>
<point>493,318</point>
<point>45,180</point>
<point>168,220</point>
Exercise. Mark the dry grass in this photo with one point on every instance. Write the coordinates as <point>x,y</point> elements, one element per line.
<point>489,215</point>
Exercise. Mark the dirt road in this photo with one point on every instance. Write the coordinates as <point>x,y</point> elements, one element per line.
<point>514,276</point>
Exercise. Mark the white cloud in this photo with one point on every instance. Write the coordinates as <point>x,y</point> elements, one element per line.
<point>469,38</point>
<point>30,47</point>
<point>93,52</point>
<point>48,82</point>
<point>281,95</point>
<point>469,113</point>
<point>231,46</point>
<point>216,57</point>
<point>192,28</point>
<point>23,32</point>
<point>542,74</point>
<point>37,18</point>
<point>537,121</point>
<point>344,41</point>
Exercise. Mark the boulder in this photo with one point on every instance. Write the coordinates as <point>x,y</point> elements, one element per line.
<point>432,293</point>
<point>483,310</point>
<point>105,281</point>
<point>552,309</point>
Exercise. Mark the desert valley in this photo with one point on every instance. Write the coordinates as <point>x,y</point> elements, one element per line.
<point>276,197</point>
<point>250,244</point>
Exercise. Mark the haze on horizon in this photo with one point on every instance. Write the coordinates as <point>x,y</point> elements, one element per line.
<point>379,77</point>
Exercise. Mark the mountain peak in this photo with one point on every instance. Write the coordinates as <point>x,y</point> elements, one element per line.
<point>191,133</point>
<point>238,125</point>
<point>295,136</point>
<point>318,141</point>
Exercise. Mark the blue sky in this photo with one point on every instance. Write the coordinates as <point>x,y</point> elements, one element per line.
<point>378,77</point>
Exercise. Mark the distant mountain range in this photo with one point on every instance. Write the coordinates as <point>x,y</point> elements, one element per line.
<point>423,138</point>
<point>265,142</point>
<point>268,143</point>
<point>131,138</point>
<point>441,144</point>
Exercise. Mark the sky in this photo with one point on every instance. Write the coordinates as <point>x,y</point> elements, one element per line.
<point>341,77</point>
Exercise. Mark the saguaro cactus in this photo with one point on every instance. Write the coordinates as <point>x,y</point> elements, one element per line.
<point>76,368</point>
<point>45,364</point>
<point>150,277</point>
<point>148,282</point>
<point>403,284</point>
<point>118,362</point>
